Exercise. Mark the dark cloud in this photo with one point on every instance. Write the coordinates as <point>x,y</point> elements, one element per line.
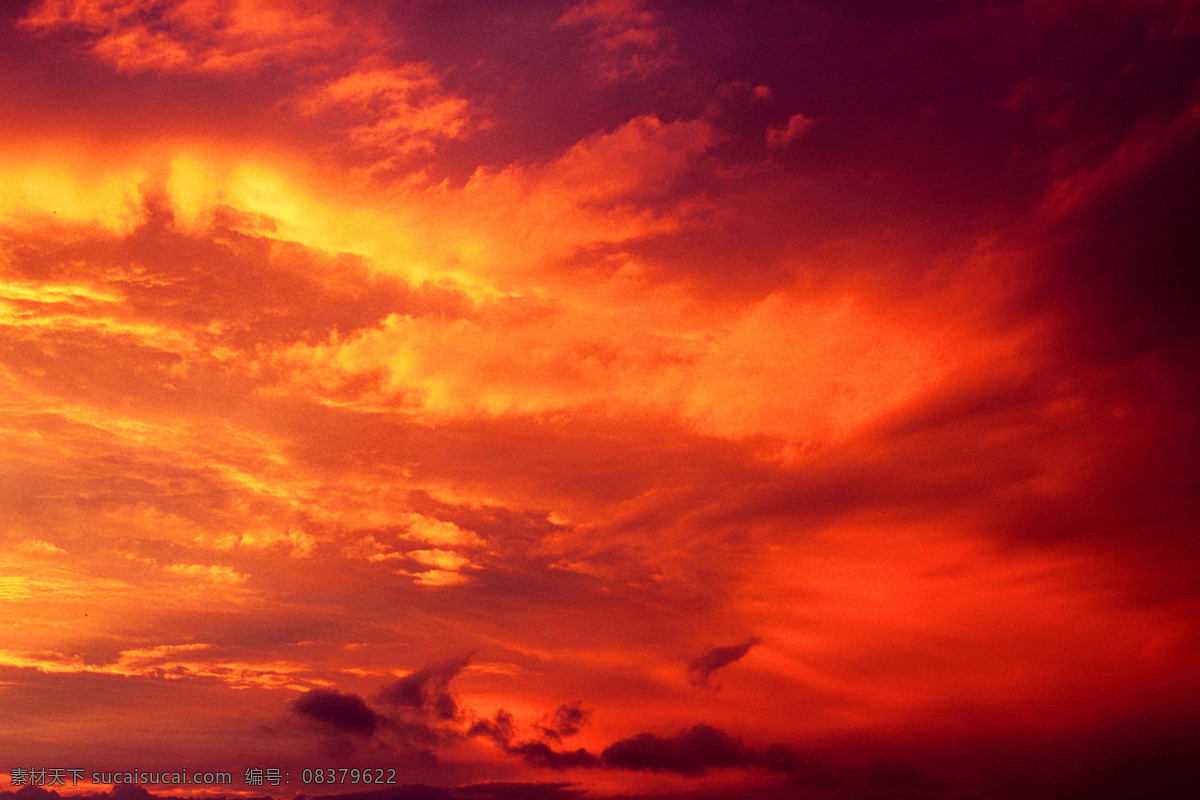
<point>409,792</point>
<point>417,737</point>
<point>423,718</point>
<point>127,792</point>
<point>714,658</point>
<point>891,777</point>
<point>30,793</point>
<point>499,730</point>
<point>499,790</point>
<point>427,688</point>
<point>342,711</point>
<point>690,752</point>
<point>695,751</point>
<point>565,721</point>
<point>540,754</point>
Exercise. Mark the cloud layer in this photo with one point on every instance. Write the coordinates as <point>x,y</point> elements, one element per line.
<point>475,389</point>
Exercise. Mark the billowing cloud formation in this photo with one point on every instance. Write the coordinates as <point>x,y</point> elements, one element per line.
<point>343,712</point>
<point>714,658</point>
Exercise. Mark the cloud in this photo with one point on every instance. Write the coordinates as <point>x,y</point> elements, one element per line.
<point>57,191</point>
<point>203,36</point>
<point>624,40</point>
<point>714,658</point>
<point>214,573</point>
<point>690,752</point>
<point>782,135</point>
<point>439,577</point>
<point>344,712</point>
<point>501,730</point>
<point>818,367</point>
<point>567,720</point>
<point>39,547</point>
<point>693,752</point>
<point>427,688</point>
<point>445,560</point>
<point>917,408</point>
<point>174,662</point>
<point>391,109</point>
<point>440,533</point>
<point>539,754</point>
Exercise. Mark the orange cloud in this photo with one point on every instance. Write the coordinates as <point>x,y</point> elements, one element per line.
<point>402,108</point>
<point>205,36</point>
<point>598,392</point>
<point>207,574</point>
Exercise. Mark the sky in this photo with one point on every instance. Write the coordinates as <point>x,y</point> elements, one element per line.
<point>616,398</point>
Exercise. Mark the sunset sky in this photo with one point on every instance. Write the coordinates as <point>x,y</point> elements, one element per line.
<point>638,398</point>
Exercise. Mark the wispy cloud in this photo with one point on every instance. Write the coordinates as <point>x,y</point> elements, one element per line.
<point>712,659</point>
<point>624,38</point>
<point>206,36</point>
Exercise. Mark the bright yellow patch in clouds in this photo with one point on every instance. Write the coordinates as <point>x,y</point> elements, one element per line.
<point>440,533</point>
<point>202,573</point>
<point>501,231</point>
<point>46,188</point>
<point>440,577</point>
<point>323,213</point>
<point>440,559</point>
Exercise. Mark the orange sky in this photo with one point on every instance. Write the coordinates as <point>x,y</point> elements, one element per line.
<point>573,400</point>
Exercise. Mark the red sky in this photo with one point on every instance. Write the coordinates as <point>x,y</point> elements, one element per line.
<point>614,398</point>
